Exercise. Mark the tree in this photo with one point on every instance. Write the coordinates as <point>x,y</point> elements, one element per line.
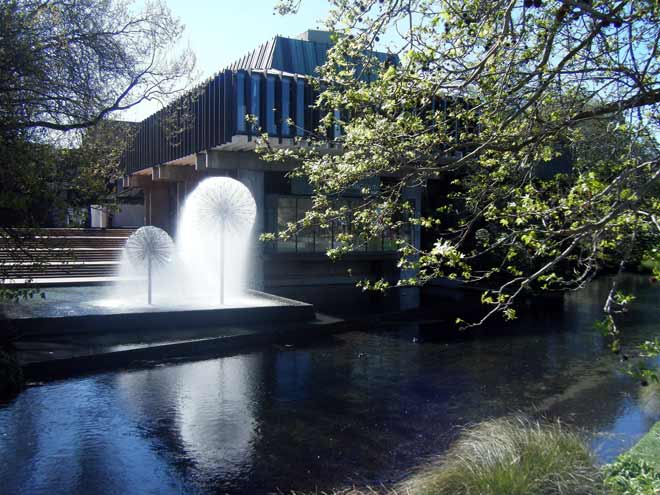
<point>66,68</point>
<point>68,64</point>
<point>489,96</point>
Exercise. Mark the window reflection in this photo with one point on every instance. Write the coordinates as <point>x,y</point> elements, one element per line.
<point>313,239</point>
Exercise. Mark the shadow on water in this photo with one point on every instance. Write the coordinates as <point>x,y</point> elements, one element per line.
<point>365,406</point>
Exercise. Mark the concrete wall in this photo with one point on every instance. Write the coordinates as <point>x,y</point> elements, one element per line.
<point>128,215</point>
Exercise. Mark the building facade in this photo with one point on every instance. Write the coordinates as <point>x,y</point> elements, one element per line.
<point>205,133</point>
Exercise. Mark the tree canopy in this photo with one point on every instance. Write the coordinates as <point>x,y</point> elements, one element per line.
<point>67,66</point>
<point>541,118</point>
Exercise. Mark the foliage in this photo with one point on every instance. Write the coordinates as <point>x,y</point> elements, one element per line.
<point>67,66</point>
<point>540,117</point>
<point>629,475</point>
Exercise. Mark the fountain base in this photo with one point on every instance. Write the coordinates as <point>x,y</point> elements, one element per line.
<point>76,310</point>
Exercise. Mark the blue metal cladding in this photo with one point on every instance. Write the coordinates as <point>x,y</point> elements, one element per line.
<point>210,115</point>
<point>300,107</point>
<point>286,103</point>
<point>255,109</point>
<point>240,102</point>
<point>270,105</point>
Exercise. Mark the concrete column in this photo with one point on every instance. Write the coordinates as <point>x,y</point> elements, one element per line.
<point>254,181</point>
<point>157,205</point>
<point>409,297</point>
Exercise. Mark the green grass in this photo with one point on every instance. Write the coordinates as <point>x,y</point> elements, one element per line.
<point>648,448</point>
<point>511,456</point>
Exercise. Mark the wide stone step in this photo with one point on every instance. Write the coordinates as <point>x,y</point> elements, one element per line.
<point>75,254</point>
<point>67,232</point>
<point>64,243</point>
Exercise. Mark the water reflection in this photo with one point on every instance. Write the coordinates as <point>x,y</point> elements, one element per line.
<point>353,408</point>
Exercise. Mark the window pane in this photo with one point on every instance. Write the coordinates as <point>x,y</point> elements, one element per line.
<point>389,239</point>
<point>286,213</point>
<point>323,240</point>
<point>375,244</point>
<point>305,236</point>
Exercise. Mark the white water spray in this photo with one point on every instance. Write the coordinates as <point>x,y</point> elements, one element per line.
<point>207,265</point>
<point>150,248</point>
<point>218,215</point>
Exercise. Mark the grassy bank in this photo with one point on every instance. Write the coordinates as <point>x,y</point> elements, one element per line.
<point>506,456</point>
<point>519,456</point>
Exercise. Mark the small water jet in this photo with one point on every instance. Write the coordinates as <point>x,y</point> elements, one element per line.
<point>149,247</point>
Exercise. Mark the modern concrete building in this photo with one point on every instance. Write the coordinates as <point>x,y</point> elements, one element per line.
<point>205,133</point>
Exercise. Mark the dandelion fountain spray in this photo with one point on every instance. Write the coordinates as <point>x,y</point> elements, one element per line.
<point>208,262</point>
<point>220,212</point>
<point>152,247</point>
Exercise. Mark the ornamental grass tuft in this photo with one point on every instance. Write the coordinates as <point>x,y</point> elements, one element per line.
<point>511,456</point>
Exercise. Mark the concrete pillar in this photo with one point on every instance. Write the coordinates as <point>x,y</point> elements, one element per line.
<point>254,181</point>
<point>157,205</point>
<point>409,297</point>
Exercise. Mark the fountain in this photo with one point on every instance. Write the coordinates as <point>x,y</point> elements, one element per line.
<point>197,281</point>
<point>152,247</point>
<point>216,221</point>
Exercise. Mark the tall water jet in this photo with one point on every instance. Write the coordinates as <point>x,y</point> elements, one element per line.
<point>220,211</point>
<point>150,248</point>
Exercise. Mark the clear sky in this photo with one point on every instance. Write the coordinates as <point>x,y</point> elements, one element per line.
<point>221,31</point>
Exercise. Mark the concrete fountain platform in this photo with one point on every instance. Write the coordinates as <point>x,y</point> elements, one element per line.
<point>87,310</point>
<point>76,330</point>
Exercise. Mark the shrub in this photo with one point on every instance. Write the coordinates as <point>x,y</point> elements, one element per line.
<point>511,456</point>
<point>631,476</point>
<point>11,375</point>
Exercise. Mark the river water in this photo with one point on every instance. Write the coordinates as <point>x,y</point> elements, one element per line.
<point>355,408</point>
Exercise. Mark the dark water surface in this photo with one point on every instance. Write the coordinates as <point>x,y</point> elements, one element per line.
<point>361,407</point>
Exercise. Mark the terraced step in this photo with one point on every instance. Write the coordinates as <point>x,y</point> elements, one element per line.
<point>63,253</point>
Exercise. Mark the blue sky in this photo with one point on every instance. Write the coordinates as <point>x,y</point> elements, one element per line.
<point>220,31</point>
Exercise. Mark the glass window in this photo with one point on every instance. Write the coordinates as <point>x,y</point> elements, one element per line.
<point>305,236</point>
<point>291,209</point>
<point>323,239</point>
<point>375,244</point>
<point>286,213</point>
